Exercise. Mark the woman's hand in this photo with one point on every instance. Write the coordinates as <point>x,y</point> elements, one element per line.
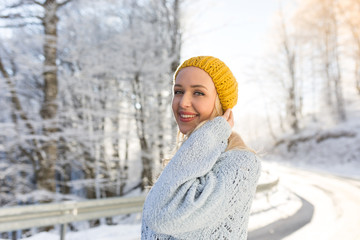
<point>229,117</point>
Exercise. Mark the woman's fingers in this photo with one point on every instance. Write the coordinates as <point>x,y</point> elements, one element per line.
<point>231,119</point>
<point>228,115</point>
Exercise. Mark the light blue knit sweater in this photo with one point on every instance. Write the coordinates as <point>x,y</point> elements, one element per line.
<point>204,192</point>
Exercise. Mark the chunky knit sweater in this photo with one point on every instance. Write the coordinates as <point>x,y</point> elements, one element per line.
<point>204,192</point>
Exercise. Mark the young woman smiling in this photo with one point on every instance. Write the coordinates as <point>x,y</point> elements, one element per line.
<point>206,189</point>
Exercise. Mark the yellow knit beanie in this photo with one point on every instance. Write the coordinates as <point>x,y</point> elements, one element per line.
<point>224,81</point>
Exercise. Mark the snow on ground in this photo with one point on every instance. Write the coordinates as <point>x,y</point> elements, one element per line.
<point>272,205</point>
<point>331,149</point>
<point>269,208</point>
<point>123,232</point>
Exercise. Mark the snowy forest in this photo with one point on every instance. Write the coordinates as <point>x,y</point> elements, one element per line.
<point>82,85</point>
<point>315,62</point>
<point>309,81</point>
<point>86,86</point>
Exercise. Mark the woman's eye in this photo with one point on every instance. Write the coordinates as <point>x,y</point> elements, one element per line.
<point>199,93</point>
<point>178,92</point>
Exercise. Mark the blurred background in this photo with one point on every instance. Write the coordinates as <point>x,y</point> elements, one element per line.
<point>86,89</point>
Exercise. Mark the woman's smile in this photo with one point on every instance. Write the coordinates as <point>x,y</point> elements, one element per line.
<point>187,116</point>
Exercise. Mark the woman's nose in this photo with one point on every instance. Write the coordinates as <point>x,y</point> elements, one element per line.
<point>185,101</point>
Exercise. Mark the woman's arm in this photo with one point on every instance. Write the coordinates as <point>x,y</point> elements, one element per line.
<point>190,193</point>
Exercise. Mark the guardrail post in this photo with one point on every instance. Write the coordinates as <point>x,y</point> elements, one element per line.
<point>62,231</point>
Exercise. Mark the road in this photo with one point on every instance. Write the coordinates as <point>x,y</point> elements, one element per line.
<point>330,211</point>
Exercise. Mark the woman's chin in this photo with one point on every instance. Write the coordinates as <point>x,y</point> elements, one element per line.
<point>185,130</point>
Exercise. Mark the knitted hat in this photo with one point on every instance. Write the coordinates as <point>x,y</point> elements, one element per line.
<point>224,81</point>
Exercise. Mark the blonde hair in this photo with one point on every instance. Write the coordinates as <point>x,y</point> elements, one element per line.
<point>234,141</point>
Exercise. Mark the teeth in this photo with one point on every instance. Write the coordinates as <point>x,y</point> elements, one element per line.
<point>187,116</point>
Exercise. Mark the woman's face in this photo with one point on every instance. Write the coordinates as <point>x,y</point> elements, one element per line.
<point>194,98</point>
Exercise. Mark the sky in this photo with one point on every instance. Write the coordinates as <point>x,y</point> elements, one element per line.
<point>233,30</point>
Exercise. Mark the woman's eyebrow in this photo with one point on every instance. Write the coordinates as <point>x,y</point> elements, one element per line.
<point>198,86</point>
<point>192,86</point>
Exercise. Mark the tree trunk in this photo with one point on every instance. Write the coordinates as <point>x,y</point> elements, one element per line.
<point>146,155</point>
<point>175,53</point>
<point>340,105</point>
<point>147,171</point>
<point>161,128</point>
<point>357,75</point>
<point>48,112</point>
<point>124,169</point>
<point>333,64</point>
<point>292,105</point>
<point>292,108</point>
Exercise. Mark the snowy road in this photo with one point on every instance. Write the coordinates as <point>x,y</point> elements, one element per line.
<point>335,201</point>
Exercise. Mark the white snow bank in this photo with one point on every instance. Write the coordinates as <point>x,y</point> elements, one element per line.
<point>104,232</point>
<point>334,149</point>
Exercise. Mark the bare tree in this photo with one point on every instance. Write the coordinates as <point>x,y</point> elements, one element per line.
<point>47,149</point>
<point>282,67</point>
<point>48,112</point>
<point>349,13</point>
<point>320,21</point>
<point>151,85</point>
<point>172,15</point>
<point>103,86</point>
<point>291,83</point>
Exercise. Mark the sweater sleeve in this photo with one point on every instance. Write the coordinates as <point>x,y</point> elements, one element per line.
<point>190,193</point>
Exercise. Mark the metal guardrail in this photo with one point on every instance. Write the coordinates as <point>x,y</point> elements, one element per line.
<point>267,186</point>
<point>23,217</point>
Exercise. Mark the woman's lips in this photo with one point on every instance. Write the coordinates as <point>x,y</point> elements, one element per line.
<point>187,116</point>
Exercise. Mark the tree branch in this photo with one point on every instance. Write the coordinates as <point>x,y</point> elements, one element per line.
<point>20,25</point>
<point>38,3</point>
<point>20,4</point>
<point>12,16</point>
<point>18,108</point>
<point>63,3</point>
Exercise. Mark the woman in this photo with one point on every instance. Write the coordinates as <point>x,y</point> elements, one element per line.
<point>206,189</point>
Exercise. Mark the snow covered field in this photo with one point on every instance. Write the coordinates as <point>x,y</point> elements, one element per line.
<point>123,232</point>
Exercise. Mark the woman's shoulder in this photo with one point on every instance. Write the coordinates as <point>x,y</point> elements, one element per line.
<point>239,166</point>
<point>240,154</point>
<point>241,158</point>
